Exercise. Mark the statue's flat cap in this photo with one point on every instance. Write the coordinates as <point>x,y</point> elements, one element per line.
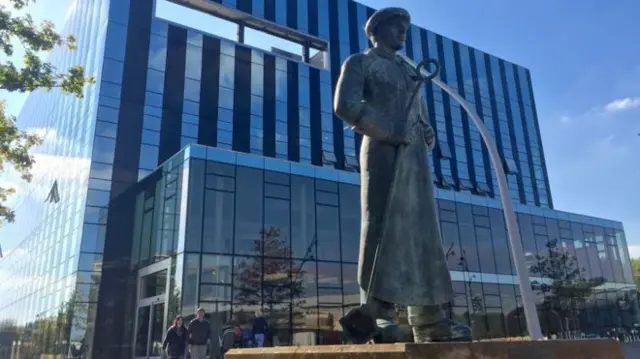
<point>381,15</point>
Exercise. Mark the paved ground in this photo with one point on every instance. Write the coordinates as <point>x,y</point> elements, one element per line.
<point>632,350</point>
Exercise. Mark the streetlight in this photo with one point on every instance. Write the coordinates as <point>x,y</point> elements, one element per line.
<point>528,301</point>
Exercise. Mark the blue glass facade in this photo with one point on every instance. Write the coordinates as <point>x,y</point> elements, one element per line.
<point>263,108</point>
<point>249,233</point>
<point>53,247</point>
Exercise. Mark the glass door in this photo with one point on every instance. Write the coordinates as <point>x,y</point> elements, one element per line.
<point>151,315</point>
<point>142,332</point>
<point>150,331</point>
<point>157,328</point>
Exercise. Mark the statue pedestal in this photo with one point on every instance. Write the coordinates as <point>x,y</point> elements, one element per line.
<point>551,349</point>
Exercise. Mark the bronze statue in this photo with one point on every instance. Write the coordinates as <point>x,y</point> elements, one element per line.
<point>401,256</point>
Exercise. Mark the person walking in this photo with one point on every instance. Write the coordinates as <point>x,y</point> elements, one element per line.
<point>199,335</point>
<point>175,341</point>
<point>259,329</point>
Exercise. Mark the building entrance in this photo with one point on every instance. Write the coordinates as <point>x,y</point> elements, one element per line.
<point>151,311</point>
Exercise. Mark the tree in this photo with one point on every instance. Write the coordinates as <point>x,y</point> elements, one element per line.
<point>270,281</point>
<point>635,265</point>
<point>34,74</point>
<point>566,289</point>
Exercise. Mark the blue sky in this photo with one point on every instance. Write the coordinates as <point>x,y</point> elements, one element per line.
<point>585,65</point>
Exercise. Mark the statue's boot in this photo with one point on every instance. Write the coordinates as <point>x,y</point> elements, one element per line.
<point>371,322</point>
<point>430,324</point>
<point>388,330</point>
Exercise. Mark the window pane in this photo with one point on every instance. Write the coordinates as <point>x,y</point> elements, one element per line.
<point>247,286</point>
<point>195,205</point>
<point>248,211</point>
<point>500,243</point>
<point>190,280</point>
<point>104,149</point>
<point>302,217</point>
<point>350,221</point>
<point>212,293</point>
<point>218,222</point>
<point>276,228</point>
<point>216,269</point>
<point>329,275</point>
<point>328,227</point>
<point>305,304</point>
<point>485,250</point>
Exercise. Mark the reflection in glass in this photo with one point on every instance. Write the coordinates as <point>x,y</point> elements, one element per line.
<point>276,228</point>
<point>216,269</point>
<point>329,276</point>
<point>153,284</point>
<point>195,206</point>
<point>157,52</point>
<point>190,282</point>
<point>218,221</point>
<point>175,294</point>
<point>350,221</point>
<point>450,243</point>
<point>278,283</point>
<point>330,302</point>
<point>350,286</point>
<point>157,330</point>
<point>328,232</point>
<point>616,264</point>
<point>215,293</point>
<point>142,332</point>
<point>302,217</point>
<point>495,326</point>
<point>305,305</point>
<point>249,213</point>
<point>247,285</point>
<point>262,257</point>
<point>469,260</point>
<point>245,305</point>
<point>485,250</point>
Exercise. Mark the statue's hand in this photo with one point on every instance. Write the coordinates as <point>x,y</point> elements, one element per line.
<point>429,137</point>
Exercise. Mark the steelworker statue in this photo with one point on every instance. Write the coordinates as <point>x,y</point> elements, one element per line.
<point>401,260</point>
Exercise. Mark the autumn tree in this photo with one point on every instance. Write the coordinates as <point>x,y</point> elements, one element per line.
<point>272,280</point>
<point>20,33</point>
<point>565,289</point>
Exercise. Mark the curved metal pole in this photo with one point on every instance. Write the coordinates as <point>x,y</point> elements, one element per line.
<point>528,300</point>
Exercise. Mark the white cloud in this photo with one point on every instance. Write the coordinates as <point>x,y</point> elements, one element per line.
<point>622,104</point>
<point>46,166</point>
<point>611,108</point>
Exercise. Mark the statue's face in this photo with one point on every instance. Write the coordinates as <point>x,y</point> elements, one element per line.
<point>392,33</point>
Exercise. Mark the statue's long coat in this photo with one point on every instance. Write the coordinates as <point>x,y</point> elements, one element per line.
<point>397,194</point>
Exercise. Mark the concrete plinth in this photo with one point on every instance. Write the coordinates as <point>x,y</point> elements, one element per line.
<point>556,349</point>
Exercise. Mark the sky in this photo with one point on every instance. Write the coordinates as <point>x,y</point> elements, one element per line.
<point>585,65</point>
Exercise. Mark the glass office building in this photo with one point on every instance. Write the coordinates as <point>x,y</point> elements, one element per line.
<point>206,169</point>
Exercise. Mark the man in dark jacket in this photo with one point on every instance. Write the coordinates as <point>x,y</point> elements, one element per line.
<point>199,335</point>
<point>259,330</point>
